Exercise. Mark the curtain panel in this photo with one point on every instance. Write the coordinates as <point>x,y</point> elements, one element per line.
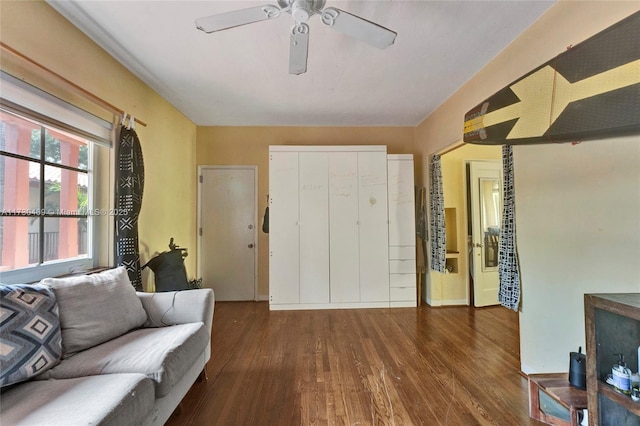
<point>508,267</point>
<point>436,217</point>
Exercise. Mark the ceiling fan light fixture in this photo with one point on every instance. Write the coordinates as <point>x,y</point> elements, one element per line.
<point>301,10</point>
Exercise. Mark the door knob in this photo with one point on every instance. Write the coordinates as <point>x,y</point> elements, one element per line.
<point>250,245</point>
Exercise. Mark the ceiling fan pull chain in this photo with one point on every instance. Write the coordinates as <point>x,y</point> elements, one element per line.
<point>329,16</point>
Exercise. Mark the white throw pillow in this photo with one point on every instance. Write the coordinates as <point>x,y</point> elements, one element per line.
<point>95,308</point>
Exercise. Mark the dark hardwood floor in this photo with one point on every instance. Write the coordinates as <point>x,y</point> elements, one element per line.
<point>411,366</point>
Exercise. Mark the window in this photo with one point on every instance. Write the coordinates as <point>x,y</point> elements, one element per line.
<point>44,193</point>
<point>49,152</point>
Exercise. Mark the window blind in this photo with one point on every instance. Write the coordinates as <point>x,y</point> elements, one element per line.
<point>23,98</point>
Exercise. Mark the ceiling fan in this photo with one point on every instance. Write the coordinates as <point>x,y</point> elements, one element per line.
<point>301,10</point>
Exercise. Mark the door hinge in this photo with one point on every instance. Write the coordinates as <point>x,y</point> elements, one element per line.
<point>200,232</point>
<point>200,178</point>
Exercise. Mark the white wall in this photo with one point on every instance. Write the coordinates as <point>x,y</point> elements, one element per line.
<point>578,230</point>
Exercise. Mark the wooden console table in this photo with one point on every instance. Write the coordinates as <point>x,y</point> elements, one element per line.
<point>552,400</point>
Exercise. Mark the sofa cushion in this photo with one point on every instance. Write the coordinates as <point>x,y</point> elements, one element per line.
<point>112,399</point>
<point>162,354</point>
<point>30,340</point>
<point>95,308</point>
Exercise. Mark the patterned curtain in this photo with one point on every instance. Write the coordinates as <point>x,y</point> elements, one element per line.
<point>436,218</point>
<point>129,188</point>
<point>508,268</point>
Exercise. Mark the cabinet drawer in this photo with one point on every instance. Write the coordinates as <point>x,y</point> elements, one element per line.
<point>406,266</point>
<point>553,408</point>
<point>402,280</point>
<point>397,294</point>
<point>402,252</point>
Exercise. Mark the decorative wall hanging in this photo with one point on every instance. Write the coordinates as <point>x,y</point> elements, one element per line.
<point>129,189</point>
<point>591,91</point>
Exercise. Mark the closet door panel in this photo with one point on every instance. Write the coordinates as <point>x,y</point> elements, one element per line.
<point>284,266</point>
<point>314,227</point>
<point>401,203</point>
<point>373,219</point>
<point>343,229</point>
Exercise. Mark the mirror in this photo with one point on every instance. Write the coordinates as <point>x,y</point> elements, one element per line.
<point>490,213</point>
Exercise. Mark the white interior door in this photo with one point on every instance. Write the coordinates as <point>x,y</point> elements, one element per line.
<point>227,220</point>
<point>486,214</point>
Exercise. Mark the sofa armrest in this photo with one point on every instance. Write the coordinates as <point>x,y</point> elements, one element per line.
<point>178,307</point>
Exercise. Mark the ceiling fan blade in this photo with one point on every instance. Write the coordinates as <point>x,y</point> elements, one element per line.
<point>236,18</point>
<point>358,28</point>
<point>298,49</point>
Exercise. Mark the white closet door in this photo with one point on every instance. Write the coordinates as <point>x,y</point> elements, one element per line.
<point>284,242</point>
<point>343,234</point>
<point>314,227</point>
<point>374,230</point>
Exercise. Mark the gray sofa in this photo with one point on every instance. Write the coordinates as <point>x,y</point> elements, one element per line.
<point>126,358</point>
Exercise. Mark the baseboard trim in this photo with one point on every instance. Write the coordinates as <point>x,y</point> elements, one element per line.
<point>431,302</point>
<point>303,306</point>
<point>447,302</point>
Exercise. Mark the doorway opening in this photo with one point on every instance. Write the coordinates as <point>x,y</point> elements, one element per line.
<point>454,286</point>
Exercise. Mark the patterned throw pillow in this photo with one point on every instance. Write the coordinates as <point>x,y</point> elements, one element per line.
<point>30,338</point>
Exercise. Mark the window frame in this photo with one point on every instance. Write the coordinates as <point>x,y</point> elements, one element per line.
<point>46,268</point>
<point>21,98</point>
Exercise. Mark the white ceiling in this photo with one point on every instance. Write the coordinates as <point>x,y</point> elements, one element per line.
<point>239,77</point>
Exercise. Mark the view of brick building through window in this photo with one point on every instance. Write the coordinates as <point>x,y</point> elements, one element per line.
<point>43,193</point>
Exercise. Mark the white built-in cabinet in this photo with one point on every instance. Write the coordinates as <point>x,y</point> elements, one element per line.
<point>329,234</point>
<point>402,231</point>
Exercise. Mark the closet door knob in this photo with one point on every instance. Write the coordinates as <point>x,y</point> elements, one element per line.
<point>250,245</point>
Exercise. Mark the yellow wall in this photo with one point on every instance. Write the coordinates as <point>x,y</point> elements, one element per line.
<point>250,146</point>
<point>578,207</point>
<point>168,142</point>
